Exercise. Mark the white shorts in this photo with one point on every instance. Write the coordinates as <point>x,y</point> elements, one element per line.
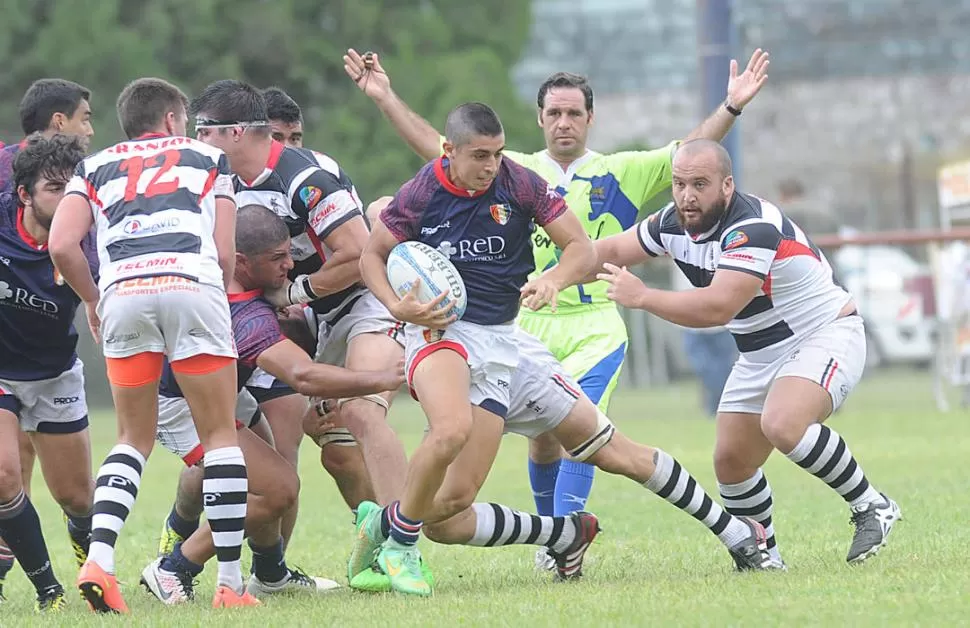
<point>490,351</point>
<point>176,429</point>
<point>833,356</point>
<point>364,314</point>
<point>170,315</point>
<point>543,394</point>
<point>49,406</point>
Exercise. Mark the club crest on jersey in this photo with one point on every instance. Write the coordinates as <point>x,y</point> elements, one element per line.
<point>311,195</point>
<point>735,239</point>
<point>500,213</point>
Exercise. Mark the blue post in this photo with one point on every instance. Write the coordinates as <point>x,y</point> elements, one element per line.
<point>715,44</point>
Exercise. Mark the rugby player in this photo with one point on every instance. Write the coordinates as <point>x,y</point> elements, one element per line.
<point>586,332</point>
<point>48,106</point>
<point>41,377</point>
<point>545,400</point>
<point>262,262</point>
<point>318,202</point>
<point>479,210</point>
<point>801,340</point>
<point>164,210</point>
<point>284,116</point>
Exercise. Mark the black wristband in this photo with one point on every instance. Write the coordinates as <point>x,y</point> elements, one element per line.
<point>731,110</point>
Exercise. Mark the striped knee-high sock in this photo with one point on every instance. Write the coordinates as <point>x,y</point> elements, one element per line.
<point>824,454</point>
<point>114,496</point>
<point>224,489</point>
<point>752,498</point>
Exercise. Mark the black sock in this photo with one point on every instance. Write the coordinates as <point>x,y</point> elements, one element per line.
<point>79,529</point>
<point>268,563</point>
<point>176,562</point>
<point>20,527</point>
<point>182,527</point>
<point>6,559</point>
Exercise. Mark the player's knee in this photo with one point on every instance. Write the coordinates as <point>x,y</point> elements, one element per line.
<point>11,481</point>
<point>783,427</point>
<point>446,439</point>
<point>731,465</point>
<point>284,494</point>
<point>451,501</point>
<point>545,449</point>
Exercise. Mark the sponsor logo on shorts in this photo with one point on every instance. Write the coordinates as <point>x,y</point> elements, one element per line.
<point>5,260</point>
<point>844,389</point>
<point>502,384</point>
<point>533,405</point>
<point>198,332</point>
<point>735,239</point>
<point>63,401</point>
<point>116,338</point>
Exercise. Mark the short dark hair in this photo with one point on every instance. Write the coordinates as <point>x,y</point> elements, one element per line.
<point>48,96</point>
<point>258,229</point>
<point>144,103</point>
<point>230,101</point>
<point>471,119</point>
<point>53,158</point>
<point>565,79</point>
<point>279,106</point>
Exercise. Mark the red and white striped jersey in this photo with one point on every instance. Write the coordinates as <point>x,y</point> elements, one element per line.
<point>154,204</point>
<point>798,294</point>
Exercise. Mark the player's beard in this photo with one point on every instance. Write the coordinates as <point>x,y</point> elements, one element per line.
<point>709,218</point>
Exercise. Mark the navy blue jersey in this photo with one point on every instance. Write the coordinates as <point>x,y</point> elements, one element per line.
<point>37,309</point>
<point>255,329</point>
<point>484,234</point>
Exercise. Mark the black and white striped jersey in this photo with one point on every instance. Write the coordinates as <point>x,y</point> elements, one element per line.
<point>313,196</point>
<point>154,204</point>
<point>799,293</point>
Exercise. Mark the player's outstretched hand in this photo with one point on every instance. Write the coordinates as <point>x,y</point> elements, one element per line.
<point>366,71</point>
<point>745,86</point>
<point>94,321</point>
<point>433,314</point>
<point>625,288</point>
<point>538,293</point>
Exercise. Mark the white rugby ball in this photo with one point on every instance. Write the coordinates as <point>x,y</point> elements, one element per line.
<point>415,260</point>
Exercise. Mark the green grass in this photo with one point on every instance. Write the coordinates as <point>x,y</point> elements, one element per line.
<point>652,564</point>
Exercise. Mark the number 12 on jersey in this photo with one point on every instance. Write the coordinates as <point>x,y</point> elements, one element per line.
<point>161,183</point>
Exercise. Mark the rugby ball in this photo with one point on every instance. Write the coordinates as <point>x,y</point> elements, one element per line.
<point>413,260</point>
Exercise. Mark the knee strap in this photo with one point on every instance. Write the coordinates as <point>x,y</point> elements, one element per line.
<point>339,436</point>
<point>381,401</point>
<point>603,434</point>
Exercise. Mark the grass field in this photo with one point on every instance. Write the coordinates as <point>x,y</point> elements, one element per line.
<point>651,565</point>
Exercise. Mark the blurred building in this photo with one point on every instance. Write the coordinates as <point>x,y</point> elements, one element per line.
<point>866,97</point>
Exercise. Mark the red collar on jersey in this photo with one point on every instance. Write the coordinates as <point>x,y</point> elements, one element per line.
<point>236,297</point>
<point>22,231</point>
<point>442,176</point>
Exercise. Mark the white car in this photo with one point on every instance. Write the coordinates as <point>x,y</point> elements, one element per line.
<point>894,294</point>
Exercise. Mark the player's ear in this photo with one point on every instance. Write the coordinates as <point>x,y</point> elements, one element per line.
<point>728,185</point>
<point>23,196</point>
<point>448,148</point>
<point>58,120</point>
<point>539,117</point>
